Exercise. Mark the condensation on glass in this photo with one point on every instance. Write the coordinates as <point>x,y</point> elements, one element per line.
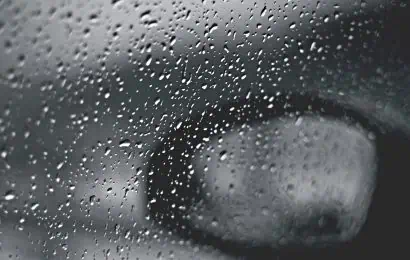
<point>203,129</point>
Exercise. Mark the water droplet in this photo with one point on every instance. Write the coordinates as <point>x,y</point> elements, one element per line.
<point>9,195</point>
<point>223,155</point>
<point>34,205</point>
<point>107,94</point>
<point>125,143</point>
<point>127,234</point>
<point>92,200</point>
<point>60,165</point>
<point>3,154</point>
<point>145,15</point>
<point>115,3</point>
<point>213,28</point>
<point>148,60</point>
<point>263,12</point>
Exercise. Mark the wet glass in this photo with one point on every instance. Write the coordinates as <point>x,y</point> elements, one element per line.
<point>203,129</point>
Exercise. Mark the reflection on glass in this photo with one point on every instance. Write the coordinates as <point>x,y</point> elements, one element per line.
<point>274,173</point>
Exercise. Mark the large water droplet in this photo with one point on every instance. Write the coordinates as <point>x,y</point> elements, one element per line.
<point>9,195</point>
<point>125,143</point>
